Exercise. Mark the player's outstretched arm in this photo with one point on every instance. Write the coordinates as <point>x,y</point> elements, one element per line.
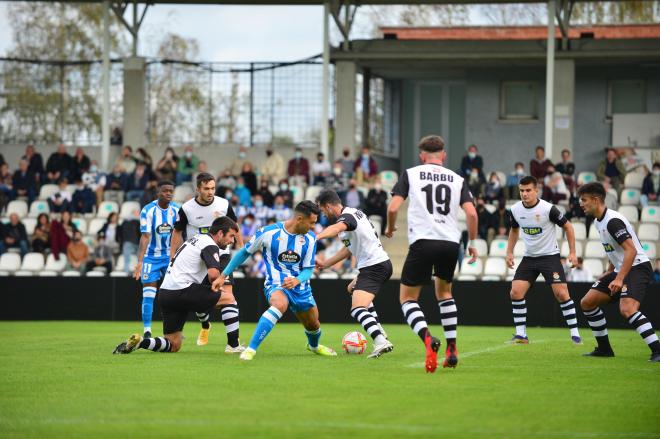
<point>142,249</point>
<point>472,223</point>
<point>570,236</point>
<point>331,231</point>
<point>339,256</point>
<point>392,212</point>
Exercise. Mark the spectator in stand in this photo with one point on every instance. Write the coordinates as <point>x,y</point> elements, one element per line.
<point>353,197</point>
<point>338,180</point>
<point>365,167</point>
<point>36,163</point>
<point>60,201</point>
<point>476,182</point>
<point>273,168</point>
<point>242,193</point>
<point>102,256</point>
<point>116,138</point>
<point>115,185</point>
<point>226,183</point>
<point>501,220</point>
<point>77,253</point>
<point>248,226</point>
<point>6,185</point>
<point>567,169</point>
<point>236,166</point>
<point>376,204</point>
<point>24,182</point>
<point>110,231</point>
<point>279,211</point>
<point>142,156</point>
<point>611,170</point>
<point>258,267</point>
<point>265,193</point>
<point>61,233</point>
<point>580,273</point>
<point>538,166</point>
<point>651,186</point>
<point>126,161</point>
<point>346,163</point>
<point>2,160</point>
<point>493,192</point>
<point>554,187</point>
<point>41,235</point>
<point>485,219</point>
<point>13,235</point>
<point>187,166</point>
<point>298,169</point>
<point>83,199</point>
<point>58,165</point>
<point>137,183</point>
<point>512,192</point>
<point>656,273</point>
<point>260,210</point>
<point>472,160</point>
<point>95,181</point>
<point>249,177</point>
<point>128,235</point>
<point>167,165</point>
<point>286,194</point>
<point>79,164</point>
<point>320,170</point>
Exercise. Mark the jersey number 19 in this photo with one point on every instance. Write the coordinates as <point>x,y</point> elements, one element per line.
<point>442,194</point>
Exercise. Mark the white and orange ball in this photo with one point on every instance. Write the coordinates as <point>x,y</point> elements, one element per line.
<point>354,343</point>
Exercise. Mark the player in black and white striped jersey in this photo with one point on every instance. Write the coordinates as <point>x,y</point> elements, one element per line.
<point>628,274</point>
<point>361,240</point>
<point>436,193</point>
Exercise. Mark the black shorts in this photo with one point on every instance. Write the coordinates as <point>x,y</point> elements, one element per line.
<point>634,285</point>
<point>549,266</point>
<point>428,257</point>
<point>372,278</point>
<point>176,304</point>
<point>224,261</point>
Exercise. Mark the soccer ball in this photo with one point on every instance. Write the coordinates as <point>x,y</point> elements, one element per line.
<point>354,343</point>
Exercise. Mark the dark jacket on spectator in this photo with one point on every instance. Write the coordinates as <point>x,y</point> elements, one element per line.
<point>78,168</point>
<point>467,164</point>
<point>373,166</point>
<point>299,167</point>
<point>116,182</point>
<point>647,186</point>
<point>129,231</point>
<point>539,170</point>
<point>36,163</point>
<point>565,169</point>
<point>26,181</point>
<point>59,240</point>
<point>59,162</point>
<point>13,231</point>
<point>138,184</point>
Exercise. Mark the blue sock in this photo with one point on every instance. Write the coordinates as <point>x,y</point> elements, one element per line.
<point>266,323</point>
<point>148,296</point>
<point>313,338</point>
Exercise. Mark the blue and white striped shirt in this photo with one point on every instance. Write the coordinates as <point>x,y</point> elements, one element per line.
<point>284,254</point>
<point>159,223</point>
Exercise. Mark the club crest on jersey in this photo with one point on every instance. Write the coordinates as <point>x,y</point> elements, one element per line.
<point>289,257</point>
<point>624,288</point>
<point>555,275</point>
<point>532,230</point>
<point>537,217</point>
<point>164,229</point>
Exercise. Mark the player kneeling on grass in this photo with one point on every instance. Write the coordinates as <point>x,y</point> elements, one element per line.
<point>289,252</point>
<point>187,286</point>
<point>628,274</point>
<point>361,239</point>
<point>537,219</point>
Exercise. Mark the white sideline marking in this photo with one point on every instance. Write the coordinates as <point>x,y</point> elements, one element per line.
<point>480,351</point>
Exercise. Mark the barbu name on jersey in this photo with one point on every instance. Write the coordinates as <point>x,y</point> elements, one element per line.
<point>435,175</point>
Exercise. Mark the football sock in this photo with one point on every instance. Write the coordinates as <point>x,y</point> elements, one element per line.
<point>204,319</point>
<point>313,338</point>
<point>265,324</point>
<point>229,315</point>
<point>372,310</point>
<point>645,330</point>
<point>368,322</point>
<point>449,318</point>
<point>568,310</point>
<point>148,297</point>
<point>520,316</point>
<point>415,318</point>
<point>598,325</point>
<point>156,344</point>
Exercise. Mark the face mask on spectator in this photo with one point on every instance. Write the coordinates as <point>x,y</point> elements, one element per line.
<point>284,187</point>
<point>240,185</point>
<point>279,205</point>
<point>298,154</point>
<point>520,171</point>
<point>228,195</point>
<point>93,169</point>
<point>188,154</point>
<point>257,257</point>
<point>247,222</point>
<point>241,155</point>
<point>258,203</point>
<point>474,174</point>
<point>656,172</point>
<point>336,171</point>
<point>472,154</point>
<point>378,186</point>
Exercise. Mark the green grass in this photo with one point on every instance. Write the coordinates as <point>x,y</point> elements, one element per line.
<point>59,379</point>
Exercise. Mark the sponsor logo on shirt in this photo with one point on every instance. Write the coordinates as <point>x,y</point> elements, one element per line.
<point>347,242</point>
<point>216,257</point>
<point>532,230</point>
<point>203,230</point>
<point>289,257</point>
<point>608,247</point>
<point>164,229</point>
<point>620,233</point>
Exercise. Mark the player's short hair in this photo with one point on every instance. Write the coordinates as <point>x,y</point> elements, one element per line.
<point>224,223</point>
<point>165,183</point>
<point>432,143</point>
<point>594,189</point>
<point>328,196</point>
<point>204,177</point>
<point>528,179</point>
<point>307,208</point>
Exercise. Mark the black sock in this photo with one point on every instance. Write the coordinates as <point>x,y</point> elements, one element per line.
<point>373,312</point>
<point>204,318</point>
<point>366,319</point>
<point>415,318</point>
<point>449,318</point>
<point>645,330</point>
<point>598,325</point>
<point>229,315</point>
<point>156,344</point>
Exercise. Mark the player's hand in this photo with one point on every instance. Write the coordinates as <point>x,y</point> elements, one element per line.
<point>472,251</point>
<point>509,260</point>
<point>218,283</point>
<point>290,282</point>
<point>351,287</point>
<point>138,271</point>
<point>389,232</point>
<point>320,266</point>
<point>615,286</point>
<point>572,258</point>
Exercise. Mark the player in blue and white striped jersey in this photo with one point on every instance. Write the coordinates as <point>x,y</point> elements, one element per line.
<point>289,252</point>
<point>156,225</point>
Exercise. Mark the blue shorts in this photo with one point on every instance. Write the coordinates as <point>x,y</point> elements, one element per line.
<point>153,269</point>
<point>298,301</point>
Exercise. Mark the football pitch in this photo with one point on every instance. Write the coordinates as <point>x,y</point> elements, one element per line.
<point>59,379</point>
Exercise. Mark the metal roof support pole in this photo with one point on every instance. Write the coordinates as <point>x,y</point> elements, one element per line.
<point>105,79</point>
<point>550,80</point>
<point>563,11</point>
<point>325,86</point>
